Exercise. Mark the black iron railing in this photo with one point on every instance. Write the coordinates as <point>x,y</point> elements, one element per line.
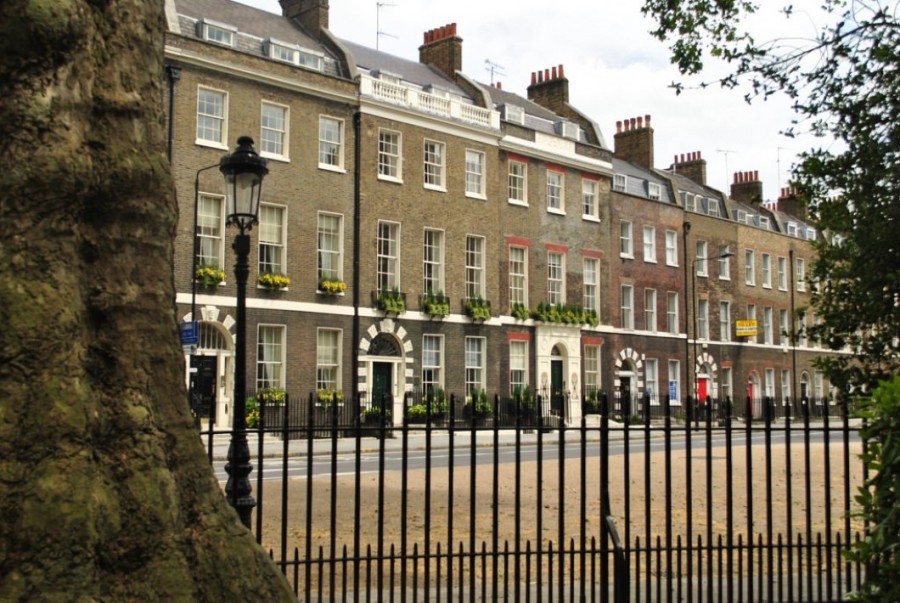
<point>677,503</point>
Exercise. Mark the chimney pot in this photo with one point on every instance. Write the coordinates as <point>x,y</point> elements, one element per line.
<point>453,29</point>
<point>640,122</point>
<point>633,120</point>
<point>499,86</point>
<point>682,158</point>
<point>546,75</point>
<point>756,175</point>
<point>561,72</point>
<point>647,120</point>
<point>618,126</point>
<point>553,73</point>
<point>533,78</point>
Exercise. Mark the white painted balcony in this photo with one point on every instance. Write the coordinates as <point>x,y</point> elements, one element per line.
<point>418,100</point>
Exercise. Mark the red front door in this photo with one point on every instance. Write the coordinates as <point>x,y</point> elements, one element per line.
<point>702,389</point>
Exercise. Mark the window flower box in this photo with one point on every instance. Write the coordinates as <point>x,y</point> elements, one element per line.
<point>520,312</point>
<point>436,305</point>
<point>391,302</point>
<point>273,282</point>
<point>209,276</point>
<point>478,308</point>
<point>326,398</point>
<point>329,287</point>
<point>565,314</point>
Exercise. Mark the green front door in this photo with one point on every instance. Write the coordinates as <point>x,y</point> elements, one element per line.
<point>381,383</point>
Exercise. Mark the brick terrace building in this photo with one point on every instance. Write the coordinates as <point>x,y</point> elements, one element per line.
<point>393,179</point>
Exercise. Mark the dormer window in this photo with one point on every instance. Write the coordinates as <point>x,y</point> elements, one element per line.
<point>567,129</point>
<point>764,222</point>
<point>741,216</point>
<point>690,202</point>
<point>620,182</point>
<point>653,191</point>
<point>514,114</point>
<point>293,54</point>
<point>386,76</point>
<point>791,229</point>
<point>282,51</point>
<point>810,234</point>
<point>218,33</point>
<point>436,91</point>
<point>714,208</point>
<point>310,59</point>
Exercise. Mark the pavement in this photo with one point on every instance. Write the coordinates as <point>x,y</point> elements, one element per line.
<point>416,439</point>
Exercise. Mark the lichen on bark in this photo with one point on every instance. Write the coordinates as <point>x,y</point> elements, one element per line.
<point>105,492</point>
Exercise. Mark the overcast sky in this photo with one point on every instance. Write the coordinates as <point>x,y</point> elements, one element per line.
<point>616,71</point>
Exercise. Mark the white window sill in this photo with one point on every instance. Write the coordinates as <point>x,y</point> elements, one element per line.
<point>590,218</point>
<point>518,202</point>
<point>437,189</point>
<point>649,261</point>
<point>391,179</point>
<point>478,196</point>
<point>211,144</point>
<point>274,157</point>
<point>626,256</point>
<point>338,169</point>
<point>556,211</point>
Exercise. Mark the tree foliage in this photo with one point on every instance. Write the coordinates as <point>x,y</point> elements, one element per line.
<point>845,88</point>
<point>879,496</point>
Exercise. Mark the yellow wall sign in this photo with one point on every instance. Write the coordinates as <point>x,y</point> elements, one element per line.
<point>746,328</point>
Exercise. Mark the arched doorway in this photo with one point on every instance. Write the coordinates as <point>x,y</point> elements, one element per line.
<point>384,361</point>
<point>210,373</point>
<point>558,397</point>
<point>385,366</point>
<point>628,383</point>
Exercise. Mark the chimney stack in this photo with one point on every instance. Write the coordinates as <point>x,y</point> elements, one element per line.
<point>634,141</point>
<point>691,165</point>
<point>747,188</point>
<point>790,203</point>
<point>442,49</point>
<point>550,89</point>
<point>311,14</point>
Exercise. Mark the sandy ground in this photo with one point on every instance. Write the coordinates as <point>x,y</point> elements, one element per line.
<point>640,505</point>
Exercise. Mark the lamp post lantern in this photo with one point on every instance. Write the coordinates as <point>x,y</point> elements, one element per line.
<point>244,171</point>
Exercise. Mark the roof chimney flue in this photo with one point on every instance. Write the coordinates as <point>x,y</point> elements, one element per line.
<point>442,49</point>
<point>634,141</point>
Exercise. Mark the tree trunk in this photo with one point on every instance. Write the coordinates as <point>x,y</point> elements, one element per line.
<point>105,492</point>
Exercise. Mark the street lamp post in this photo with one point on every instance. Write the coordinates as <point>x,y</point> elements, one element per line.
<point>244,171</point>
<point>694,385</point>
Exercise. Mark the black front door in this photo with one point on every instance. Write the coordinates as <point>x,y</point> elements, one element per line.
<point>557,395</point>
<point>381,383</point>
<point>625,396</point>
<point>203,386</point>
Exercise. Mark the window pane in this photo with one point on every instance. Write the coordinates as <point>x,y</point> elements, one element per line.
<point>328,236</point>
<point>272,130</point>
<point>271,240</point>
<point>330,141</point>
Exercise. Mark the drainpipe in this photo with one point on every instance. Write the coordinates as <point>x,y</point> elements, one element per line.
<point>357,146</point>
<point>174,74</point>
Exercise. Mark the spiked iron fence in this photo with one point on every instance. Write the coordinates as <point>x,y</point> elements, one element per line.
<point>639,502</point>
